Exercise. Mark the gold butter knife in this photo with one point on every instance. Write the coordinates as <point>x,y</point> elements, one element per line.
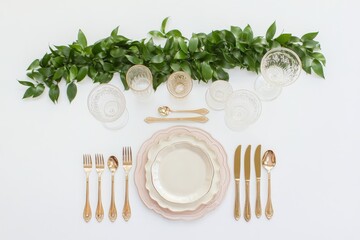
<point>247,209</point>
<point>237,167</point>
<point>257,163</point>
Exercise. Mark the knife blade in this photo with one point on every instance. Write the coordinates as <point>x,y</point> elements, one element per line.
<point>247,210</point>
<point>237,168</point>
<point>257,163</point>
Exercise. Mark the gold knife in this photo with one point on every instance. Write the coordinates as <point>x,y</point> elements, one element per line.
<point>237,166</point>
<point>247,210</point>
<point>257,163</point>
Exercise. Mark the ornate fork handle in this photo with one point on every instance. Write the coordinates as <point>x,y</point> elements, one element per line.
<point>126,210</point>
<point>87,208</point>
<point>99,208</point>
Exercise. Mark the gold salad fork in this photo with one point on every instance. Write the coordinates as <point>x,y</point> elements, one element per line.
<point>99,163</point>
<point>127,164</point>
<point>87,167</point>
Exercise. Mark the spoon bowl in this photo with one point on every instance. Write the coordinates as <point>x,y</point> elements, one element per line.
<point>113,164</point>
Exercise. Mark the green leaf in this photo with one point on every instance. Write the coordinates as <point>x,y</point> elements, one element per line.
<point>318,68</point>
<point>29,92</point>
<point>193,44</point>
<point>163,25</point>
<point>270,33</point>
<point>221,74</point>
<point>114,32</point>
<point>46,72</point>
<point>156,34</point>
<point>175,67</point>
<point>54,93</point>
<point>58,74</point>
<point>35,64</point>
<point>311,44</point>
<point>173,33</point>
<point>38,76</point>
<point>82,73</point>
<point>45,60</point>
<point>309,36</point>
<point>26,83</point>
<point>71,91</point>
<point>157,59</point>
<point>73,72</point>
<point>283,38</point>
<point>320,57</point>
<point>206,71</point>
<point>82,39</point>
<point>134,59</point>
<point>185,66</point>
<point>180,55</point>
<point>183,45</point>
<point>39,90</point>
<point>230,38</point>
<point>117,52</point>
<point>236,31</point>
<point>248,31</point>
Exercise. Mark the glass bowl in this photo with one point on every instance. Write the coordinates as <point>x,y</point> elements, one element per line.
<point>179,84</point>
<point>107,104</point>
<point>217,94</point>
<point>242,109</point>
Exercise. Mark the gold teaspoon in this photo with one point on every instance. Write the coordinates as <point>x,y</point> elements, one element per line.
<point>268,162</point>
<point>165,111</point>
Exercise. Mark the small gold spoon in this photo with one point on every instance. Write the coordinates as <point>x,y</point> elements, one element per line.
<point>268,162</point>
<point>113,164</point>
<point>165,111</point>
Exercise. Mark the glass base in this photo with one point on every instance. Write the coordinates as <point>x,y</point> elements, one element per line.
<point>265,90</point>
<point>119,123</point>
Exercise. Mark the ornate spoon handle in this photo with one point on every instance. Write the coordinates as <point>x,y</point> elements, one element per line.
<point>269,212</point>
<point>201,111</point>
<point>112,210</point>
<point>201,119</point>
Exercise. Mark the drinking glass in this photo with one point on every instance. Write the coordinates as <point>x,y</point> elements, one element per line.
<point>140,80</point>
<point>279,67</point>
<point>217,94</point>
<point>242,109</point>
<point>107,104</point>
<point>179,84</point>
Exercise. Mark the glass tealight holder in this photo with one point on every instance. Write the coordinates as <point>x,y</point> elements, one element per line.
<point>107,104</point>
<point>140,80</point>
<point>217,94</point>
<point>179,84</point>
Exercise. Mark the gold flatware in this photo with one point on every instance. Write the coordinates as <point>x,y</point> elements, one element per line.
<point>237,167</point>
<point>87,167</point>
<point>113,164</point>
<point>247,210</point>
<point>99,163</point>
<point>200,119</point>
<point>268,162</point>
<point>257,163</point>
<point>165,111</point>
<point>127,164</point>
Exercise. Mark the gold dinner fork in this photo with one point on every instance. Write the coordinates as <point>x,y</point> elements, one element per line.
<point>87,167</point>
<point>99,163</point>
<point>127,164</point>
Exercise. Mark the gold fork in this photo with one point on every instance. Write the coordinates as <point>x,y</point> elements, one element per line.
<point>99,163</point>
<point>127,164</point>
<point>87,167</point>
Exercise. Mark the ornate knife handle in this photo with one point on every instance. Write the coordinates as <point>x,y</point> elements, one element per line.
<point>247,210</point>
<point>237,200</point>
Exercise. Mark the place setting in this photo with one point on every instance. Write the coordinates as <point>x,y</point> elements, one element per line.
<point>180,172</point>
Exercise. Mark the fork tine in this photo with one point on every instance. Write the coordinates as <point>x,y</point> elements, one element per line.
<point>130,155</point>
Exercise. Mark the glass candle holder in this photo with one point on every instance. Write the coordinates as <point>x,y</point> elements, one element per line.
<point>140,80</point>
<point>179,84</point>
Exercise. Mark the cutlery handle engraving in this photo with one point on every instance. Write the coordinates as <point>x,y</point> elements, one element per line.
<point>247,210</point>
<point>201,111</point>
<point>99,208</point>
<point>126,210</point>
<point>201,119</point>
<point>258,209</point>
<point>269,212</point>
<point>112,210</point>
<point>87,208</point>
<point>237,200</point>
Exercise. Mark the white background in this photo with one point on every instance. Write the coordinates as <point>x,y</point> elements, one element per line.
<point>313,126</point>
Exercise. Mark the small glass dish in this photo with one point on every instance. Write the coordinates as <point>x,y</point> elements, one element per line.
<point>179,84</point>
<point>108,105</point>
<point>140,80</point>
<point>243,108</point>
<point>217,94</point>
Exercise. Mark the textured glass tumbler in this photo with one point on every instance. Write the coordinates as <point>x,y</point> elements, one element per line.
<point>179,84</point>
<point>107,104</point>
<point>140,80</point>
<point>280,67</point>
<point>243,108</point>
<point>217,94</point>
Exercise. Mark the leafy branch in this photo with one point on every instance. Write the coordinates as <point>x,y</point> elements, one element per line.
<point>204,56</point>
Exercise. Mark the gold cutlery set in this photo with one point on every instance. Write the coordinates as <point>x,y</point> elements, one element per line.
<point>164,111</point>
<point>268,161</point>
<point>113,164</point>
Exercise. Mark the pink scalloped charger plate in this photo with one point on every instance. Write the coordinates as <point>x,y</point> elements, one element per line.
<point>140,179</point>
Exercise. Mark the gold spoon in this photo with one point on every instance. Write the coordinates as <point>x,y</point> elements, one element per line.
<point>268,162</point>
<point>113,164</point>
<point>165,111</point>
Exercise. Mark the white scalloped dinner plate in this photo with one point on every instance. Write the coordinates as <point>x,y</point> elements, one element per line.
<point>204,174</point>
<point>140,178</point>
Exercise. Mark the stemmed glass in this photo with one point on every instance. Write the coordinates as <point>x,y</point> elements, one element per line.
<point>279,67</point>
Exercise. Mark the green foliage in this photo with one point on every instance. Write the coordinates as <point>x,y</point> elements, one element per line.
<point>204,56</point>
